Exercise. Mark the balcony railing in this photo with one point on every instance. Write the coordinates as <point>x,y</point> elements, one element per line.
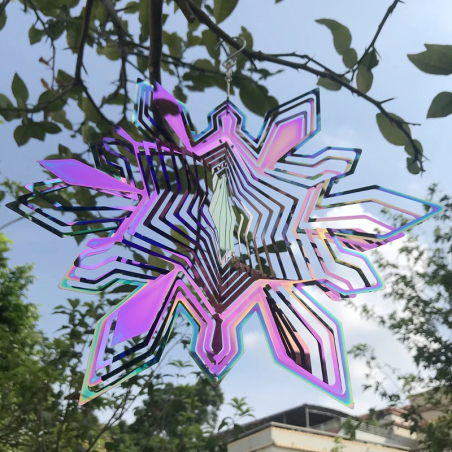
<point>337,423</point>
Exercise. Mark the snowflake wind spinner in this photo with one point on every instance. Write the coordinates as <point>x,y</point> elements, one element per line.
<point>233,226</point>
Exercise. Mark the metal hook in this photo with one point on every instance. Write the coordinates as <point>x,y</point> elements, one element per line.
<point>230,62</point>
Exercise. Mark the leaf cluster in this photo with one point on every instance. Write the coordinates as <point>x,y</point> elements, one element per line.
<point>40,380</point>
<point>436,60</point>
<point>420,286</point>
<point>104,26</point>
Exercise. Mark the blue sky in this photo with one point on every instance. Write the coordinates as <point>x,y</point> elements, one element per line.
<point>346,121</point>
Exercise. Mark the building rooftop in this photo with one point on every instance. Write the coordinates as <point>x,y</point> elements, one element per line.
<point>312,426</point>
<point>275,437</point>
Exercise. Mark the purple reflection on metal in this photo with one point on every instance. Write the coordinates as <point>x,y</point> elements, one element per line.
<point>232,225</point>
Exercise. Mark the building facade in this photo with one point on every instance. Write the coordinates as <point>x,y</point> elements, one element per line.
<point>311,428</point>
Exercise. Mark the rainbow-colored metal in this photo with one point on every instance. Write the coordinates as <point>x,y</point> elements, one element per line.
<point>232,225</point>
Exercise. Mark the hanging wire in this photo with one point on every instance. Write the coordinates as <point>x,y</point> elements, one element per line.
<point>230,62</point>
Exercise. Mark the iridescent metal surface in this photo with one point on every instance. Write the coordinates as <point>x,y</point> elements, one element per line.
<point>233,225</point>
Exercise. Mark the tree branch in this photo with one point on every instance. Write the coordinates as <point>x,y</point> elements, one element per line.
<point>110,8</point>
<point>154,61</point>
<point>39,107</point>
<point>328,74</point>
<point>179,62</point>
<point>382,23</point>
<point>303,57</point>
<point>156,40</point>
<point>186,11</point>
<point>3,226</point>
<point>98,110</point>
<point>81,47</point>
<point>377,34</point>
<point>3,6</point>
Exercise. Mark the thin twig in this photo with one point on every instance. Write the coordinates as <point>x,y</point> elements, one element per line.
<point>110,8</point>
<point>186,10</point>
<point>179,62</point>
<point>39,107</point>
<point>328,74</point>
<point>84,35</point>
<point>304,57</point>
<point>98,110</point>
<point>10,223</point>
<point>371,46</point>
<point>123,84</point>
<point>52,41</point>
<point>3,6</point>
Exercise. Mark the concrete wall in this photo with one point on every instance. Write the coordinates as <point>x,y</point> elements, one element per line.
<point>280,439</point>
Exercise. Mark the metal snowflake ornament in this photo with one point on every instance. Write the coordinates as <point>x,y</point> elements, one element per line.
<point>232,225</point>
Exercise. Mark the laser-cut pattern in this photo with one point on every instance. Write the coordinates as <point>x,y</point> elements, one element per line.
<point>232,225</point>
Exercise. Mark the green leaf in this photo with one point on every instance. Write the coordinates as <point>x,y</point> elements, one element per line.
<point>199,80</point>
<point>64,151</point>
<point>223,9</point>
<point>167,68</point>
<point>179,94</point>
<point>73,34</point>
<point>98,13</point>
<point>6,103</point>
<point>143,17</point>
<point>210,40</point>
<point>350,57</point>
<point>90,112</point>
<point>114,98</point>
<point>139,258</point>
<point>21,135</point>
<point>90,134</point>
<point>193,40</point>
<point>265,73</point>
<point>242,59</point>
<point>55,29</point>
<point>36,130</point>
<point>35,35</point>
<point>255,97</point>
<point>60,116</point>
<point>111,51</point>
<point>142,63</point>
<point>412,165</point>
<point>441,106</point>
<point>174,43</point>
<point>364,78</point>
<point>109,446</point>
<point>2,20</point>
<point>437,59</point>
<point>342,37</point>
<point>2,195</point>
<point>248,37</point>
<point>330,84</point>
<point>19,89</point>
<point>64,78</point>
<point>69,3</point>
<point>410,150</point>
<point>390,131</point>
<point>74,302</point>
<point>53,157</point>
<point>49,127</point>
<point>204,64</point>
<point>132,8</point>
<point>49,97</point>
<point>370,60</point>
